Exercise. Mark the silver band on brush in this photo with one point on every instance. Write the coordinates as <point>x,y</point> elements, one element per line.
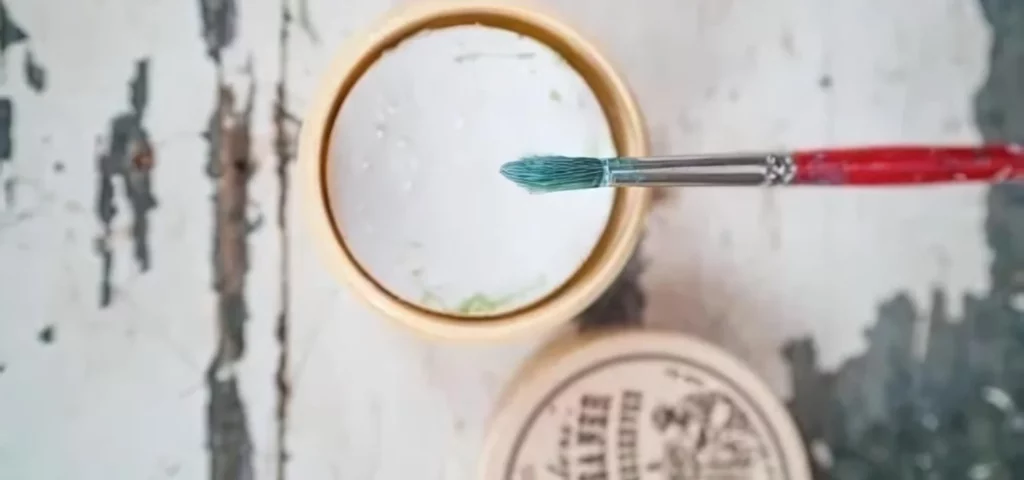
<point>726,170</point>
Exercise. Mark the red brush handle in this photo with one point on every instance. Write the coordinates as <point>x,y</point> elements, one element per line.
<point>909,165</point>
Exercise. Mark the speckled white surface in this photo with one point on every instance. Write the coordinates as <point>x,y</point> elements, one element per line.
<point>425,211</point>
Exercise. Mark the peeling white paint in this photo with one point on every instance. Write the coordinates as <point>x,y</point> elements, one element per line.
<point>119,393</point>
<point>1017,302</point>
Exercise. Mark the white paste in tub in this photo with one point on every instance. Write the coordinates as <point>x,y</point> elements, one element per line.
<point>414,178</point>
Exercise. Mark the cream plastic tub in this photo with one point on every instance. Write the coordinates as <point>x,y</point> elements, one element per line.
<point>596,270</point>
<point>631,405</point>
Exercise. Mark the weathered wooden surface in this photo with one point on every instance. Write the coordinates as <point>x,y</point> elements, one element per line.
<point>163,315</point>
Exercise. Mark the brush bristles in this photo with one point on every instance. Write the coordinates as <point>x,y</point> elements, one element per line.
<point>542,174</point>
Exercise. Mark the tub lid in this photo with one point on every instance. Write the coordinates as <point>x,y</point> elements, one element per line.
<point>643,405</point>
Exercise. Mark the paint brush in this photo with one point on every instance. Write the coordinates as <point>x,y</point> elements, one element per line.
<point>876,165</point>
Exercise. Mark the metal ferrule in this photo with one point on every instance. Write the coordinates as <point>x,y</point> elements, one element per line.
<point>731,170</point>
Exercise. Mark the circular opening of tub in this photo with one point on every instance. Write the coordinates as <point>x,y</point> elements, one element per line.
<point>413,171</point>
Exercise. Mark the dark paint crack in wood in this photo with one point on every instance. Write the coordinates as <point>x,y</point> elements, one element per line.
<point>283,145</point>
<point>230,167</point>
<point>127,157</point>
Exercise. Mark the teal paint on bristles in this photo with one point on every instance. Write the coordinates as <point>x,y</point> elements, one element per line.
<point>548,173</point>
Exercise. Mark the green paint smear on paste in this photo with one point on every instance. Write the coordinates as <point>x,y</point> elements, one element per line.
<point>479,303</point>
